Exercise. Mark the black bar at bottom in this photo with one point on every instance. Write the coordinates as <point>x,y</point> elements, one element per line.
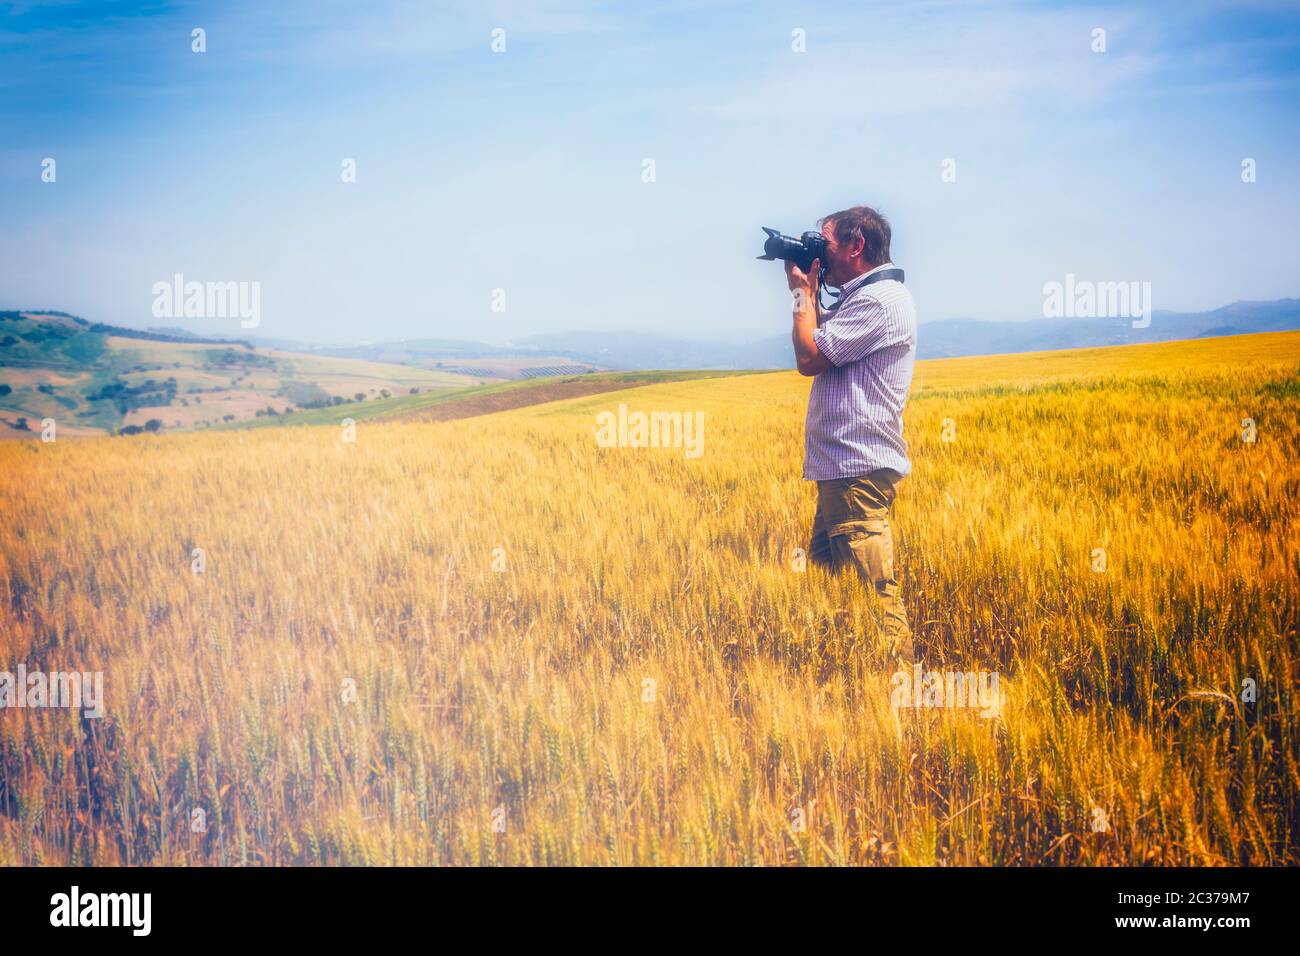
<point>329,906</point>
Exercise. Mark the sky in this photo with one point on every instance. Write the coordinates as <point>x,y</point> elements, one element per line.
<point>525,170</point>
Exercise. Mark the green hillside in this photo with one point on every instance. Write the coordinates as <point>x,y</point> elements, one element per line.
<point>94,378</point>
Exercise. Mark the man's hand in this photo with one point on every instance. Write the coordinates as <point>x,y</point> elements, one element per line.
<point>798,279</point>
<point>804,286</point>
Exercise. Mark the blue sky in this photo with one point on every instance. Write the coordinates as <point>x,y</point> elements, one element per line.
<point>522,170</point>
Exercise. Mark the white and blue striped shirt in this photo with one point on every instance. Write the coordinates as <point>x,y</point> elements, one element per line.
<point>855,409</point>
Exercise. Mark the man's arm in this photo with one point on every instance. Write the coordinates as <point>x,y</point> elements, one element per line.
<point>808,358</point>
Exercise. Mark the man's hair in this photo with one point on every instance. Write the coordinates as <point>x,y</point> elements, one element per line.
<point>871,225</point>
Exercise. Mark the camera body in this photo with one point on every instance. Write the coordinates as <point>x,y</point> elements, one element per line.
<point>801,251</point>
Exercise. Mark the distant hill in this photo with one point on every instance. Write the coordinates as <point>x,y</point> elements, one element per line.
<point>939,339</point>
<point>95,378</point>
<point>951,337</point>
<point>467,357</point>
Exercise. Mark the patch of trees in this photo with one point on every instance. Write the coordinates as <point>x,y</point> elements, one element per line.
<point>229,357</point>
<point>148,394</point>
<point>326,402</point>
<point>152,425</point>
<point>304,394</point>
<point>48,333</point>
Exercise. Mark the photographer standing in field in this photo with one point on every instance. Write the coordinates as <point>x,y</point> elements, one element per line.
<point>861,352</point>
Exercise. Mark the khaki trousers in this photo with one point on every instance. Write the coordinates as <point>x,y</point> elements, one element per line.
<point>852,529</point>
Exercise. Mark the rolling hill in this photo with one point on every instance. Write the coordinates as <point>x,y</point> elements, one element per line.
<point>93,378</point>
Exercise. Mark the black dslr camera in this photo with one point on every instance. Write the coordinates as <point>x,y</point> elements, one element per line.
<point>801,251</point>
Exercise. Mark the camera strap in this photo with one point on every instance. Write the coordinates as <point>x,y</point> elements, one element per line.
<point>882,276</point>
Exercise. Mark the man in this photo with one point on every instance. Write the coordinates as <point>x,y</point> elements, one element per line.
<point>861,352</point>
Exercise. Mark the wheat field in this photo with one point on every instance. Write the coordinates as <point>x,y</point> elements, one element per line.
<point>490,641</point>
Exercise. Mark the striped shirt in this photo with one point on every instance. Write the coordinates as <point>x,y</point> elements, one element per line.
<point>855,409</point>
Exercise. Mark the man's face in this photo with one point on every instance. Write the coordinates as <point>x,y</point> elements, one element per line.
<point>839,265</point>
